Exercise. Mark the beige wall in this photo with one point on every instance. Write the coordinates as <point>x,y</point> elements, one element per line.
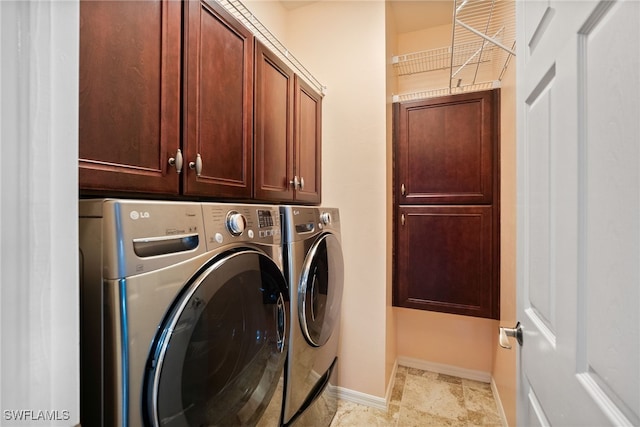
<point>504,367</point>
<point>392,88</point>
<point>342,45</point>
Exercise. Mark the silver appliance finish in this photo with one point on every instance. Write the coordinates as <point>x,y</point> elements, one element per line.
<point>138,261</point>
<point>315,273</point>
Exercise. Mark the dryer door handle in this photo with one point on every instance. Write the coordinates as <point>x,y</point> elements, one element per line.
<point>281,324</point>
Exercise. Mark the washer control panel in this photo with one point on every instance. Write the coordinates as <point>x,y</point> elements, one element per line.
<point>235,223</point>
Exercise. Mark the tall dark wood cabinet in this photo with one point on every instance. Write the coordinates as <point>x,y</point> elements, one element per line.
<point>287,133</point>
<point>218,104</point>
<point>129,95</point>
<point>446,204</point>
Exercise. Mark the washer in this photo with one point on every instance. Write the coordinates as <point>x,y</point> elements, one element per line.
<point>184,314</point>
<point>314,270</point>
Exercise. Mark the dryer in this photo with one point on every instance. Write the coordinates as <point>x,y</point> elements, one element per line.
<point>314,270</point>
<point>184,314</point>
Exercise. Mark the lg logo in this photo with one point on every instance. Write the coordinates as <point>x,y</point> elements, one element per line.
<point>136,215</point>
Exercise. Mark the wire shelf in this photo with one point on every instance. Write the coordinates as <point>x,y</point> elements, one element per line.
<point>241,13</point>
<point>482,44</point>
<point>434,93</point>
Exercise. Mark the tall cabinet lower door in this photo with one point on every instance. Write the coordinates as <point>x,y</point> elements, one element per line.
<point>445,259</point>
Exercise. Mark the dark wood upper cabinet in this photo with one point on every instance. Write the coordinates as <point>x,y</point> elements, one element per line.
<point>167,107</point>
<point>129,117</point>
<point>287,133</point>
<point>218,104</point>
<point>307,142</point>
<point>445,149</point>
<point>273,129</point>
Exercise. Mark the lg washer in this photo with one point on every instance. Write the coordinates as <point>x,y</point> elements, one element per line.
<point>184,314</point>
<point>315,273</point>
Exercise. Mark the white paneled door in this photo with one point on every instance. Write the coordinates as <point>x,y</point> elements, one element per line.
<point>579,212</point>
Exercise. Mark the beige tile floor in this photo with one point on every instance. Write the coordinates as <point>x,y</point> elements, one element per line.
<point>423,398</point>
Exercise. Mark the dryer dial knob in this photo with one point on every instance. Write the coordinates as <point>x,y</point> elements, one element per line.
<point>325,217</point>
<point>236,223</point>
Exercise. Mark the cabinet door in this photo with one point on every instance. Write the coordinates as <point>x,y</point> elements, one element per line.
<point>273,129</point>
<point>307,142</point>
<point>218,103</point>
<point>129,95</point>
<point>446,149</point>
<point>446,261</point>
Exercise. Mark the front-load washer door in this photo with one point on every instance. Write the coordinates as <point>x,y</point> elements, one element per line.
<point>320,290</point>
<point>219,354</point>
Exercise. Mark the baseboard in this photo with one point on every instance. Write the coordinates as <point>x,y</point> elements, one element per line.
<point>362,398</point>
<point>455,371</point>
<point>381,403</point>
<point>496,396</point>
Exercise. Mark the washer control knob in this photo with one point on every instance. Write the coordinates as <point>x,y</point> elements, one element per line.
<point>236,223</point>
<point>325,217</point>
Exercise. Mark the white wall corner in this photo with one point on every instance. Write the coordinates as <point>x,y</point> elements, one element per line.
<point>496,396</point>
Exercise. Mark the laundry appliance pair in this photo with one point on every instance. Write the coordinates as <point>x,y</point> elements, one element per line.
<point>186,313</point>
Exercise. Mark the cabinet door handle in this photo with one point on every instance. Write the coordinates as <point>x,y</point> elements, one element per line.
<point>403,190</point>
<point>177,161</point>
<point>294,182</point>
<point>402,220</point>
<point>197,165</point>
<point>301,185</point>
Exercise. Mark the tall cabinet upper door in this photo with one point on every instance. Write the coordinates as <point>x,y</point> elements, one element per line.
<point>307,142</point>
<point>129,95</point>
<point>445,150</point>
<point>273,129</point>
<point>218,104</point>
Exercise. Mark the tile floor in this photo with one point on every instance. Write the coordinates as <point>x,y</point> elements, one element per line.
<point>423,398</point>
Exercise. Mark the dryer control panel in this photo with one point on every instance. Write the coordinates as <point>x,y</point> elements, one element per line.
<point>236,223</point>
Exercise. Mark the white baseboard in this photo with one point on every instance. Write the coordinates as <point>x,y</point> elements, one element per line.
<point>376,402</point>
<point>362,398</point>
<point>455,371</point>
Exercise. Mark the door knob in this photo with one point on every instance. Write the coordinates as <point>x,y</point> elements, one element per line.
<point>515,332</point>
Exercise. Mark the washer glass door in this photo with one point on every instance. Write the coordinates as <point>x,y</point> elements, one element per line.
<point>220,352</point>
<point>320,290</point>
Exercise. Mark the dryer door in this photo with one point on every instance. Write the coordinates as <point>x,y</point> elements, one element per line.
<point>220,352</point>
<point>320,290</point>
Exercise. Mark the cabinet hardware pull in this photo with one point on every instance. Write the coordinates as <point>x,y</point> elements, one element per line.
<point>177,161</point>
<point>197,165</point>
<point>403,190</point>
<point>301,185</point>
<point>295,182</point>
<point>402,219</point>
